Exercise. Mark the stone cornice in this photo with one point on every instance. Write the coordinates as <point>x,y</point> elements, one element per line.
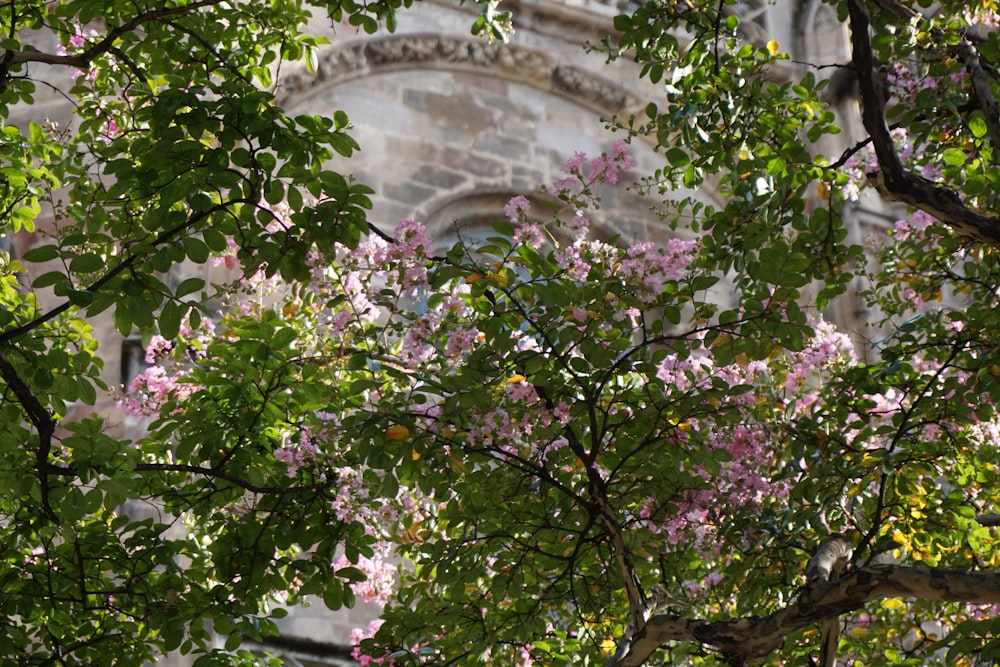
<point>576,22</point>
<point>539,69</point>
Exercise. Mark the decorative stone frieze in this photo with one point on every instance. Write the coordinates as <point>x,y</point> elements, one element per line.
<point>513,62</point>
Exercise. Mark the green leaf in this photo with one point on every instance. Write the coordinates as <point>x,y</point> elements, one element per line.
<point>189,286</point>
<point>43,378</point>
<point>953,157</point>
<point>678,157</point>
<point>283,337</point>
<point>43,253</point>
<point>977,125</point>
<point>215,240</point>
<point>170,319</point>
<point>196,249</point>
<point>80,298</point>
<point>49,279</point>
<point>123,321</point>
<point>776,166</point>
<point>88,263</point>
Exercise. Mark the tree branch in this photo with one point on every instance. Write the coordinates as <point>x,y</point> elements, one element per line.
<point>213,473</point>
<point>827,564</point>
<point>40,418</point>
<point>754,637</point>
<point>892,180</point>
<point>984,94</point>
<point>967,54</point>
<point>82,59</point>
<point>126,263</point>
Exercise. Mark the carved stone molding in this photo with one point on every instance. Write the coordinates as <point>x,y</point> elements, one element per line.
<point>532,67</point>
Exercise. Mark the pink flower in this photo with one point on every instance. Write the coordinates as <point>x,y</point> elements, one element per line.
<point>158,348</point>
<point>574,163</point>
<point>530,235</point>
<point>517,208</point>
<point>358,635</point>
<point>153,389</point>
<point>460,342</point>
<point>228,257</point>
<point>412,241</point>
<point>567,185</point>
<point>77,39</point>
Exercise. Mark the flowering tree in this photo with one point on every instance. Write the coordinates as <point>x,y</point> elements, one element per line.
<point>547,449</point>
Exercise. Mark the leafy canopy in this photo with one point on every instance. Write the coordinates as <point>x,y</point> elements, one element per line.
<point>587,452</point>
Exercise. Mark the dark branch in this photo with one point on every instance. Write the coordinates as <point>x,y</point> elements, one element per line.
<point>212,473</point>
<point>10,334</point>
<point>40,418</point>
<point>827,564</point>
<point>892,180</point>
<point>82,59</point>
<point>984,94</point>
<point>754,637</point>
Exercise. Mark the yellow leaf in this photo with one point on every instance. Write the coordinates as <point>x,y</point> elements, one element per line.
<point>680,425</point>
<point>473,278</point>
<point>870,459</point>
<point>893,603</point>
<point>397,432</point>
<point>823,190</point>
<point>722,339</point>
<point>514,379</point>
<point>772,47</point>
<point>412,535</point>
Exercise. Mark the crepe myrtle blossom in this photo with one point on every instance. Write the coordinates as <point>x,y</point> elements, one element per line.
<point>359,635</point>
<point>415,358</point>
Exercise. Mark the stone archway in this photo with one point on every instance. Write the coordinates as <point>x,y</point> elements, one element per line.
<point>512,62</point>
<point>443,117</point>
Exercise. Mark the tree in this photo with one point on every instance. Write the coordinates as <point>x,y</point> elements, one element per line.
<point>585,455</point>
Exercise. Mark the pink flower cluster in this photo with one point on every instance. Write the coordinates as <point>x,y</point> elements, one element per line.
<point>297,455</point>
<point>423,338</point>
<point>827,348</point>
<point>358,635</point>
<point>151,390</point>
<point>602,169</point>
<point>742,483</point>
<point>379,570</point>
<point>916,225</point>
<point>651,267</point>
